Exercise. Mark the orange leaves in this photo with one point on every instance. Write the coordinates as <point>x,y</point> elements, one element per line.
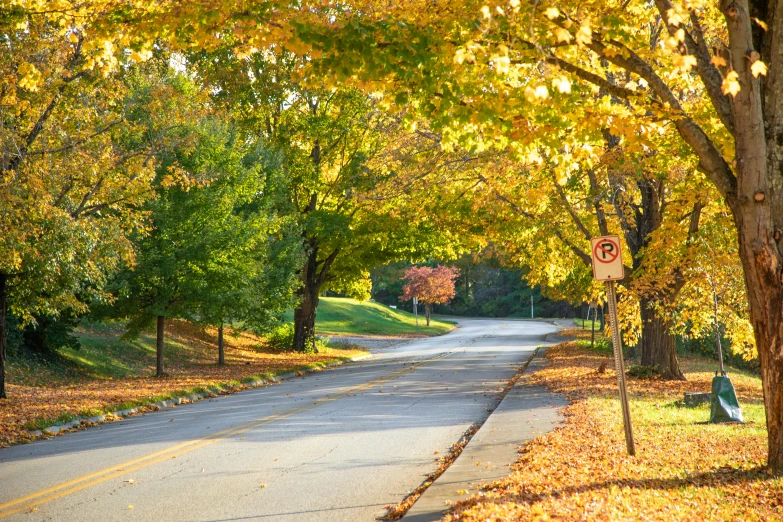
<point>683,470</point>
<point>684,62</point>
<point>191,365</point>
<point>430,285</point>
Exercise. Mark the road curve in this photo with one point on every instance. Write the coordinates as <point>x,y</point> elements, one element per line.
<point>337,445</point>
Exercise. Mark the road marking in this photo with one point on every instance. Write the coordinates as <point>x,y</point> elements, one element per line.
<point>69,487</point>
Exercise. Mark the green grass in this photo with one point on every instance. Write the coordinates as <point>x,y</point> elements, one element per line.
<point>105,355</point>
<point>342,316</point>
<point>583,323</point>
<point>650,413</point>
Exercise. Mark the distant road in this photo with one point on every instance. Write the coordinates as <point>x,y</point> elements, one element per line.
<point>337,445</point>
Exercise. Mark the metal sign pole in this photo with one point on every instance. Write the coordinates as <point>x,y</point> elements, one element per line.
<point>619,365</point>
<point>416,311</point>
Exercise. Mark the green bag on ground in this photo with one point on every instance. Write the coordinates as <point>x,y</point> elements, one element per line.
<point>723,403</point>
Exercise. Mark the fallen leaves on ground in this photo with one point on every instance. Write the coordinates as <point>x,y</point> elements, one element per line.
<point>683,469</point>
<point>187,368</point>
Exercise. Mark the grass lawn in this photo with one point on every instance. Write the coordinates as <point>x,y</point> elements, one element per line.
<point>684,469</point>
<point>343,316</point>
<point>584,323</point>
<point>108,374</point>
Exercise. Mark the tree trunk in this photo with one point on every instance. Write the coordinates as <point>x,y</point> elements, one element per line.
<point>762,264</point>
<point>658,344</point>
<point>427,312</point>
<point>304,321</point>
<point>584,321</point>
<point>304,314</point>
<point>3,336</point>
<point>765,298</point>
<point>159,347</point>
<point>755,195</point>
<point>221,347</point>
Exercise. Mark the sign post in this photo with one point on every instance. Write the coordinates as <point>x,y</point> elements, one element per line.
<point>416,310</point>
<point>608,267</point>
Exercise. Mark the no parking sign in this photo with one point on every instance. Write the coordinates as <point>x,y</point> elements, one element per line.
<point>607,258</point>
<point>608,266</point>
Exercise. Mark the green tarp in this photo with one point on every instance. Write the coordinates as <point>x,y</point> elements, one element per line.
<point>723,405</point>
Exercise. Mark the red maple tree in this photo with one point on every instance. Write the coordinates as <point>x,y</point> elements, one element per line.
<point>429,285</point>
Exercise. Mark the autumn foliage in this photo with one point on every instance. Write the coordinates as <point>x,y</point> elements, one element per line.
<point>581,471</point>
<point>663,105</point>
<point>39,397</point>
<point>430,285</point>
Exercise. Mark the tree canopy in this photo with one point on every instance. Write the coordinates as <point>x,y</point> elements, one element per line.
<point>659,121</point>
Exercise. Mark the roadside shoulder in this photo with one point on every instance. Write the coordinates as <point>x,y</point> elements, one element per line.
<point>526,412</point>
<point>183,397</point>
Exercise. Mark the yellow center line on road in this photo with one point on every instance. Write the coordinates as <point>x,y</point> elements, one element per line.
<point>79,483</point>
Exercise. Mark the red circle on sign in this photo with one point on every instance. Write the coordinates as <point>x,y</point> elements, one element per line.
<point>610,256</point>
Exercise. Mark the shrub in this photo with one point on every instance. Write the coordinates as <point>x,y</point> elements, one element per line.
<point>708,347</point>
<point>282,339</point>
<point>643,372</point>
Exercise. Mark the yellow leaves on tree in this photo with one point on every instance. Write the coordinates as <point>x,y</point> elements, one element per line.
<point>731,83</point>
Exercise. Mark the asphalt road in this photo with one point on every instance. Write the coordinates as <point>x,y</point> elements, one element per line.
<point>337,445</point>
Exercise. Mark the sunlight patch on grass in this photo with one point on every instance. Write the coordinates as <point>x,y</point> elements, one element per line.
<point>343,316</point>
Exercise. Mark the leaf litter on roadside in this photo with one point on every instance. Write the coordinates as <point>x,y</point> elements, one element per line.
<point>684,469</point>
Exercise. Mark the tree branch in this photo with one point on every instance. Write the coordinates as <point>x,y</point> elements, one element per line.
<point>600,215</point>
<point>578,222</point>
<point>711,160</point>
<point>708,73</point>
<point>76,143</point>
<point>581,254</point>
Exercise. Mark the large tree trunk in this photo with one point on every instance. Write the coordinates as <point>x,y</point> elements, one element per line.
<point>3,336</point>
<point>304,323</point>
<point>658,344</point>
<point>755,196</point>
<point>221,346</point>
<point>159,347</point>
<point>304,314</point>
<point>427,312</point>
<point>765,296</point>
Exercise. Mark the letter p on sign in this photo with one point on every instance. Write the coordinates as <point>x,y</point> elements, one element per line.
<point>607,258</point>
